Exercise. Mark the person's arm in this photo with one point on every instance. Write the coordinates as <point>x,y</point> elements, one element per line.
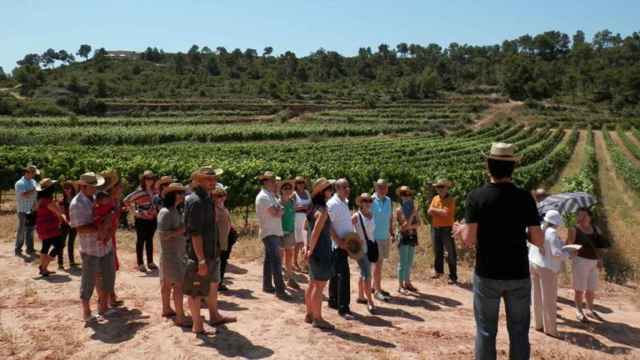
<point>54,208</point>
<point>536,236</point>
<point>467,232</point>
<point>392,227</point>
<point>80,228</point>
<point>321,219</point>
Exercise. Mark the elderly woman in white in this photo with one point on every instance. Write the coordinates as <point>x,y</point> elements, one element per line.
<point>544,266</point>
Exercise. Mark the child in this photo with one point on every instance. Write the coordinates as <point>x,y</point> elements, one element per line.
<point>103,210</point>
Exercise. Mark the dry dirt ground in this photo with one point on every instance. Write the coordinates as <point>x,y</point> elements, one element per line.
<point>40,319</point>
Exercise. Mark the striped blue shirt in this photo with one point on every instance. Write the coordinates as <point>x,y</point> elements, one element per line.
<point>25,202</point>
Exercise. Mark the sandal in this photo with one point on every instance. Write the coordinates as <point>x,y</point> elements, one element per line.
<point>361,301</point>
<point>581,318</point>
<point>169,314</point>
<point>186,323</point>
<point>410,287</point>
<point>223,320</point>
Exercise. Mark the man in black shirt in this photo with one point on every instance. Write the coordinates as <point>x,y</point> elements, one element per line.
<point>500,218</point>
<point>203,249</point>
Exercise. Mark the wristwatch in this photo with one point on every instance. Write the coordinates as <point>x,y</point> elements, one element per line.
<point>202,262</point>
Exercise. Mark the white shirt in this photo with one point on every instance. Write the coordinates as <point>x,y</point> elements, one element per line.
<point>369,227</point>
<point>269,224</point>
<point>340,216</point>
<point>553,253</point>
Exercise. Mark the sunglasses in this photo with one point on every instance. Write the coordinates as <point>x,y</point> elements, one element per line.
<point>366,201</point>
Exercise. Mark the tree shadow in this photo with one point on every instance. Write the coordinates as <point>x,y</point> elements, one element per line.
<point>391,312</point>
<point>234,269</point>
<point>616,332</point>
<point>599,308</point>
<point>74,271</point>
<point>54,278</point>
<point>589,342</point>
<point>119,327</point>
<point>466,286</point>
<point>361,339</point>
<point>397,300</point>
<point>240,294</point>
<point>440,300</point>
<point>232,344</point>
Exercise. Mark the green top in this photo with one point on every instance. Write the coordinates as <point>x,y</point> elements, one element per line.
<point>289,217</point>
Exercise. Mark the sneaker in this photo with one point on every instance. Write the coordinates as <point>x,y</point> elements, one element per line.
<point>152,266</point>
<point>18,252</point>
<point>142,268</point>
<point>322,325</point>
<point>269,290</point>
<point>385,294</point>
<point>380,297</point>
<point>282,295</point>
<point>293,284</point>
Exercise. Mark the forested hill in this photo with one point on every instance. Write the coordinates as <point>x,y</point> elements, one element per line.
<point>551,65</point>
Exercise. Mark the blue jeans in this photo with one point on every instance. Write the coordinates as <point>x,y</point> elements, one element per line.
<point>406,262</point>
<point>272,269</point>
<point>24,233</point>
<point>486,308</point>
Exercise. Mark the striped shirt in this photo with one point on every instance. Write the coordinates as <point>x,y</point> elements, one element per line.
<point>25,202</point>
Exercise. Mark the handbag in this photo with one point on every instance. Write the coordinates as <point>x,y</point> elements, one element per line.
<point>194,284</point>
<point>372,246</point>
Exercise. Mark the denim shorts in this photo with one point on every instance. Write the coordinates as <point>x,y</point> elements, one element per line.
<point>365,268</point>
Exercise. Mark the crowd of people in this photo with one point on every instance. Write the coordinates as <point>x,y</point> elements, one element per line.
<point>310,227</point>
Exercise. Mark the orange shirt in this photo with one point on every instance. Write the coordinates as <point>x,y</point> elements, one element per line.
<point>443,220</point>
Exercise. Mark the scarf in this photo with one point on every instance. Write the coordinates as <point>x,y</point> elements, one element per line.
<point>407,208</point>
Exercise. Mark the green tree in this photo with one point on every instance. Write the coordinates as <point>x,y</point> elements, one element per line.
<point>212,66</point>
<point>403,49</point>
<point>429,83</point>
<point>84,51</point>
<point>102,90</point>
<point>267,51</point>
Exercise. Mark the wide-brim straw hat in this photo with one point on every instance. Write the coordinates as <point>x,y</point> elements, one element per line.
<point>381,182</point>
<point>111,179</point>
<point>300,180</point>
<point>148,174</point>
<point>174,187</point>
<point>402,190</point>
<point>44,184</point>
<point>291,182</point>
<point>32,169</point>
<point>354,247</point>
<point>321,185</point>
<point>443,182</point>
<point>165,180</point>
<point>503,152</point>
<point>363,196</point>
<point>206,171</point>
<point>267,175</point>
<point>91,179</point>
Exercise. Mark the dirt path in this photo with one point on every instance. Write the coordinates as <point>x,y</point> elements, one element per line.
<point>632,135</point>
<point>40,320</point>
<point>495,112</point>
<point>575,163</point>
<point>625,150</point>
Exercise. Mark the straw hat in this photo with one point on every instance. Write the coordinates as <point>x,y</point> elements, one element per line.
<point>354,246</point>
<point>91,179</point>
<point>174,187</point>
<point>32,169</point>
<point>71,183</point>
<point>111,179</point>
<point>220,191</point>
<point>44,184</point>
<point>363,196</point>
<point>321,185</point>
<point>503,151</point>
<point>404,190</point>
<point>267,175</point>
<point>443,182</point>
<point>165,180</point>
<point>206,171</point>
<point>148,174</point>
<point>291,182</point>
<point>300,180</point>
<point>381,182</point>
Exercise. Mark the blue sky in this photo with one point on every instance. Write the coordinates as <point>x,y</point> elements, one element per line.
<point>302,26</point>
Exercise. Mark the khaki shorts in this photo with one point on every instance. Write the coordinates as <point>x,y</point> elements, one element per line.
<point>585,274</point>
<point>383,248</point>
<point>288,241</point>
<point>196,285</point>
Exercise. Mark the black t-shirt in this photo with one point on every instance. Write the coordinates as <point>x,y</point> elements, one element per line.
<point>503,212</point>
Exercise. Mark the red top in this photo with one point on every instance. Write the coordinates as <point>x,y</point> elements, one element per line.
<point>47,222</point>
<point>100,212</point>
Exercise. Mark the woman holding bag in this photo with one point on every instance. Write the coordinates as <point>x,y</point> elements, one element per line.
<point>408,222</point>
<point>364,225</point>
